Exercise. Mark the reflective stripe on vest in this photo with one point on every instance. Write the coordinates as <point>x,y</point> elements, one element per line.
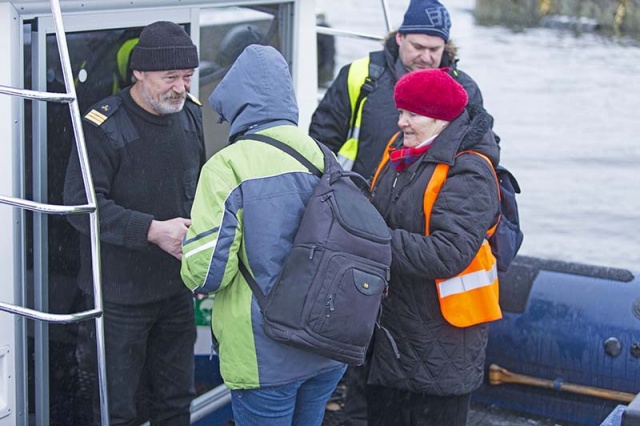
<point>472,296</point>
<point>471,281</point>
<point>358,72</point>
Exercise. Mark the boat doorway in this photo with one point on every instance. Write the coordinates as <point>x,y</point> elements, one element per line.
<point>51,367</point>
<point>60,381</point>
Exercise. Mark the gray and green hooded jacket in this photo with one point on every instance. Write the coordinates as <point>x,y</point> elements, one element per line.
<point>248,205</point>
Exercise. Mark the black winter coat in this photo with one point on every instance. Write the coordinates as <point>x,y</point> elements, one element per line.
<point>435,357</point>
<point>330,121</point>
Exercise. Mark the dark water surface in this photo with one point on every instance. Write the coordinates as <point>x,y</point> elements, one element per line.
<point>566,106</point>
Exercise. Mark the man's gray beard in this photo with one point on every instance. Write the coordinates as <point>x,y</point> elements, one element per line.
<point>162,107</point>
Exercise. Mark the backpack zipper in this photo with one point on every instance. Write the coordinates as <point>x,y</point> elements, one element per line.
<point>330,306</point>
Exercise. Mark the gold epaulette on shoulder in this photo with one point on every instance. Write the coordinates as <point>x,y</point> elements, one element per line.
<point>95,117</point>
<point>100,113</point>
<point>193,99</point>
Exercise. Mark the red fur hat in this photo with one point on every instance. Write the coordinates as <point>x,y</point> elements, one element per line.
<point>432,93</point>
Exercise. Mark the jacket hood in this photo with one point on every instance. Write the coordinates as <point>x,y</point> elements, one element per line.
<point>480,136</point>
<point>256,90</point>
<point>470,131</point>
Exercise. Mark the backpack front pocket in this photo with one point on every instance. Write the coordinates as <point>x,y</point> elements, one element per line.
<point>348,301</point>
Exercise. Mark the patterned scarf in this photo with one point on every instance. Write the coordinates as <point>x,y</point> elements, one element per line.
<point>402,158</point>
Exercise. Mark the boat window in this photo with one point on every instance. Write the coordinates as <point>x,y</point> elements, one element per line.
<point>224,33</point>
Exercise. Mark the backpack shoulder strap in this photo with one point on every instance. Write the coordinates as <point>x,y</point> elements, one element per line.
<point>375,69</point>
<point>376,64</point>
<point>260,297</point>
<point>495,175</point>
<point>438,178</point>
<point>491,230</point>
<point>287,149</point>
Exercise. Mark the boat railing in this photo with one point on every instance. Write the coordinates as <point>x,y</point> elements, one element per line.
<point>208,403</point>
<point>348,33</point>
<point>95,314</point>
<point>325,30</point>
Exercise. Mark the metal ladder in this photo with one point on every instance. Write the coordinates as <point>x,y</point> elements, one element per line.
<point>69,98</point>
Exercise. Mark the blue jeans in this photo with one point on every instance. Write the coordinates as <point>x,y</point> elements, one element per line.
<point>300,403</point>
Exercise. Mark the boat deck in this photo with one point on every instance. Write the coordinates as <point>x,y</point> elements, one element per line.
<point>482,415</point>
<point>479,415</point>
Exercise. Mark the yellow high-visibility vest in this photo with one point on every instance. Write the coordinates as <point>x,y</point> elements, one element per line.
<point>358,72</point>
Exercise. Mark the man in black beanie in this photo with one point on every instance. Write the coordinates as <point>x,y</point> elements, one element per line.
<point>146,147</point>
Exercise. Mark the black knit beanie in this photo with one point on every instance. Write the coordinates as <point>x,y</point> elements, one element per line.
<point>426,17</point>
<point>164,46</point>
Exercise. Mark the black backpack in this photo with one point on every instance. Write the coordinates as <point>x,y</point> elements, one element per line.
<point>327,298</point>
<point>508,236</point>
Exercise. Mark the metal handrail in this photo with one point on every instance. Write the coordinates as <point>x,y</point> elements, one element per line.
<point>37,95</point>
<point>51,318</point>
<point>71,99</point>
<point>207,403</point>
<point>46,208</point>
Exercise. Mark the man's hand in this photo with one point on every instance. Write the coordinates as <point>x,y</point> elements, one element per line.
<point>168,234</point>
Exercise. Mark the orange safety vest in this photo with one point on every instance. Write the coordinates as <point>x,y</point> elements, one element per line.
<point>472,296</point>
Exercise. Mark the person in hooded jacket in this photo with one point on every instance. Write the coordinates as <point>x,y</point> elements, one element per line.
<point>421,42</point>
<point>444,285</point>
<point>249,203</point>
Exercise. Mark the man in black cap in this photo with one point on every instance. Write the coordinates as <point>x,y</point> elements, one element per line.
<point>359,131</point>
<point>146,148</point>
